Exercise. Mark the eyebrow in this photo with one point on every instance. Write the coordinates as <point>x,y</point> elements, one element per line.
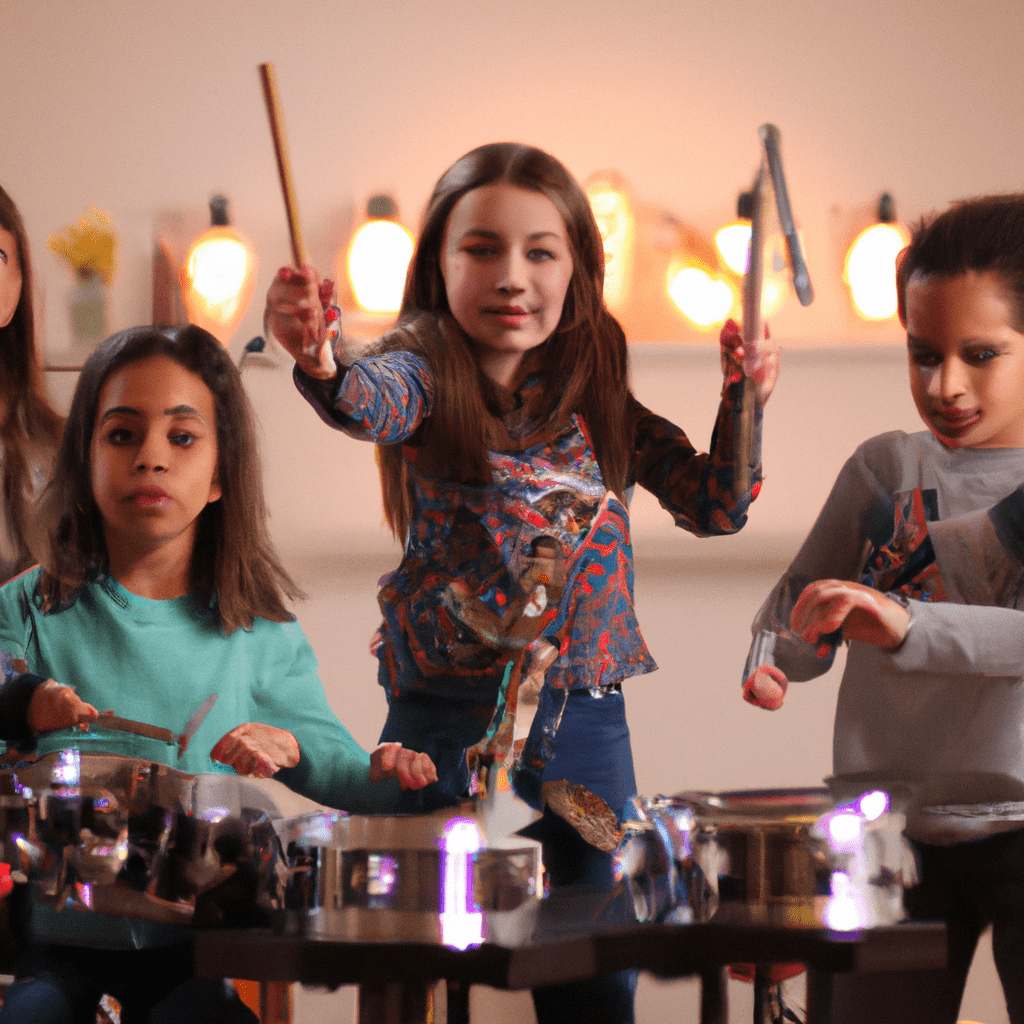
<point>127,410</point>
<point>485,233</point>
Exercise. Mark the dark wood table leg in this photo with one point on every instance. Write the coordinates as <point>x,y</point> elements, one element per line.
<point>762,995</point>
<point>714,996</point>
<point>458,1002</point>
<point>394,1003</point>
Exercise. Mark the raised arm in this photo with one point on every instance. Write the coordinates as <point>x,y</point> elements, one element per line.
<point>697,488</point>
<point>298,314</point>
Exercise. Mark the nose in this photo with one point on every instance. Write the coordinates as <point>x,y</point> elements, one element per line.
<point>950,383</point>
<point>151,454</point>
<point>512,276</point>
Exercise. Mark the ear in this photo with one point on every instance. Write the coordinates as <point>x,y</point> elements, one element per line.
<point>216,491</point>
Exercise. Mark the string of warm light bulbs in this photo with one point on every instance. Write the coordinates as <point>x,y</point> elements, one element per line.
<point>701,279</point>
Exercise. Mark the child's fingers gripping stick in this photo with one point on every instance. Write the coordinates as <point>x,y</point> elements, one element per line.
<point>766,687</point>
<point>759,360</point>
<point>761,365</point>
<point>54,706</point>
<point>298,315</point>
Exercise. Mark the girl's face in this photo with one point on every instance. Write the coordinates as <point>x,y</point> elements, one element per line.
<point>966,360</point>
<point>10,276</point>
<point>506,263</point>
<point>153,457</point>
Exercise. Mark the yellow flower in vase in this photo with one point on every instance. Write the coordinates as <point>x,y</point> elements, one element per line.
<point>89,247</point>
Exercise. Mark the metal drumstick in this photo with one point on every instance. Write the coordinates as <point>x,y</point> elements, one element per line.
<point>770,165</point>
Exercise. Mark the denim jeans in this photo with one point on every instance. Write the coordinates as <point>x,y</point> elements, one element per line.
<point>63,985</point>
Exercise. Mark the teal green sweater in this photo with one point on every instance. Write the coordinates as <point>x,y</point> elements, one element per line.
<point>157,661</point>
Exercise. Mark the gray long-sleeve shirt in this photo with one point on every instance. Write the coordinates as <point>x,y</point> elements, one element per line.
<point>941,718</point>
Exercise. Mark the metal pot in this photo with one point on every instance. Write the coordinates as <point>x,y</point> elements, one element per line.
<point>788,856</point>
<point>130,837</point>
<point>415,877</point>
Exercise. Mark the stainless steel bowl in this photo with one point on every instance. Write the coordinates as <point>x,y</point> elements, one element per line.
<point>792,856</point>
<point>402,876</point>
<point>119,835</point>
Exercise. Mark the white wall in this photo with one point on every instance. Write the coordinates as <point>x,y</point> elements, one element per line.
<point>147,109</point>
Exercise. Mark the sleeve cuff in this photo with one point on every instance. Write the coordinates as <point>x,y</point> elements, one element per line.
<point>15,696</point>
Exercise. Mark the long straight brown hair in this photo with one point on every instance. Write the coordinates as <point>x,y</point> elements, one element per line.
<point>233,562</point>
<point>583,365</point>
<point>28,424</point>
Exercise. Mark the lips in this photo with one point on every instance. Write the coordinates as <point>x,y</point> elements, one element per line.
<point>957,418</point>
<point>510,316</point>
<point>149,496</point>
<point>953,423</point>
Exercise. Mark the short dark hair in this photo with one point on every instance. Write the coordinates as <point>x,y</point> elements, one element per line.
<point>983,235</point>
<point>233,558</point>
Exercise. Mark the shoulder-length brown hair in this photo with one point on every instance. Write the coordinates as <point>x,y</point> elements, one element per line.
<point>583,365</point>
<point>29,426</point>
<point>233,561</point>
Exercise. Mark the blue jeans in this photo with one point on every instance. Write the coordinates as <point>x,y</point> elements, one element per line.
<point>591,748</point>
<point>63,985</point>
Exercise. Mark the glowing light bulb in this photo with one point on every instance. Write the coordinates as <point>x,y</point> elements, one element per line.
<point>460,918</point>
<point>845,910</point>
<point>378,259</point>
<point>733,242</point>
<point>615,221</point>
<point>218,276</point>
<point>870,267</point>
<point>870,271</point>
<point>874,804</point>
<point>704,299</point>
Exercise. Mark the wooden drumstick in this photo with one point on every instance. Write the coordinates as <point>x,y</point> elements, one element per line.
<point>284,170</point>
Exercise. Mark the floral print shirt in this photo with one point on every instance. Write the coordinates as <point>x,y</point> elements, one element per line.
<point>469,571</point>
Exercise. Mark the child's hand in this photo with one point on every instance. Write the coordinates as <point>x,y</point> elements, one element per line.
<point>298,311</point>
<point>393,761</point>
<point>257,749</point>
<point>766,687</point>
<point>760,362</point>
<point>57,707</point>
<point>862,614</point>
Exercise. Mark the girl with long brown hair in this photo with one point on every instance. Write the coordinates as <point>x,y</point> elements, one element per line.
<point>159,591</point>
<point>509,442</point>
<point>29,427</point>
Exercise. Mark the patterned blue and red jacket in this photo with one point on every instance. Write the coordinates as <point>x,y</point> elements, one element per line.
<point>481,537</point>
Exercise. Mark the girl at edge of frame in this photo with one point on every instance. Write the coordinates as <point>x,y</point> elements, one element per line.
<point>29,428</point>
<point>160,569</point>
<point>917,562</point>
<point>509,442</point>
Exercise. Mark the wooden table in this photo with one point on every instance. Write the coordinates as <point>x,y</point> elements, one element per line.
<point>550,943</point>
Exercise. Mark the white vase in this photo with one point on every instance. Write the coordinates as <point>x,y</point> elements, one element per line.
<point>87,306</point>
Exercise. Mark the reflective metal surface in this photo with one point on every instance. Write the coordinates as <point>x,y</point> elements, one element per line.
<point>136,838</point>
<point>794,857</point>
<point>429,878</point>
<point>97,739</point>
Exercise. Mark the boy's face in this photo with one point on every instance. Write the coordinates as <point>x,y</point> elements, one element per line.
<point>966,360</point>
